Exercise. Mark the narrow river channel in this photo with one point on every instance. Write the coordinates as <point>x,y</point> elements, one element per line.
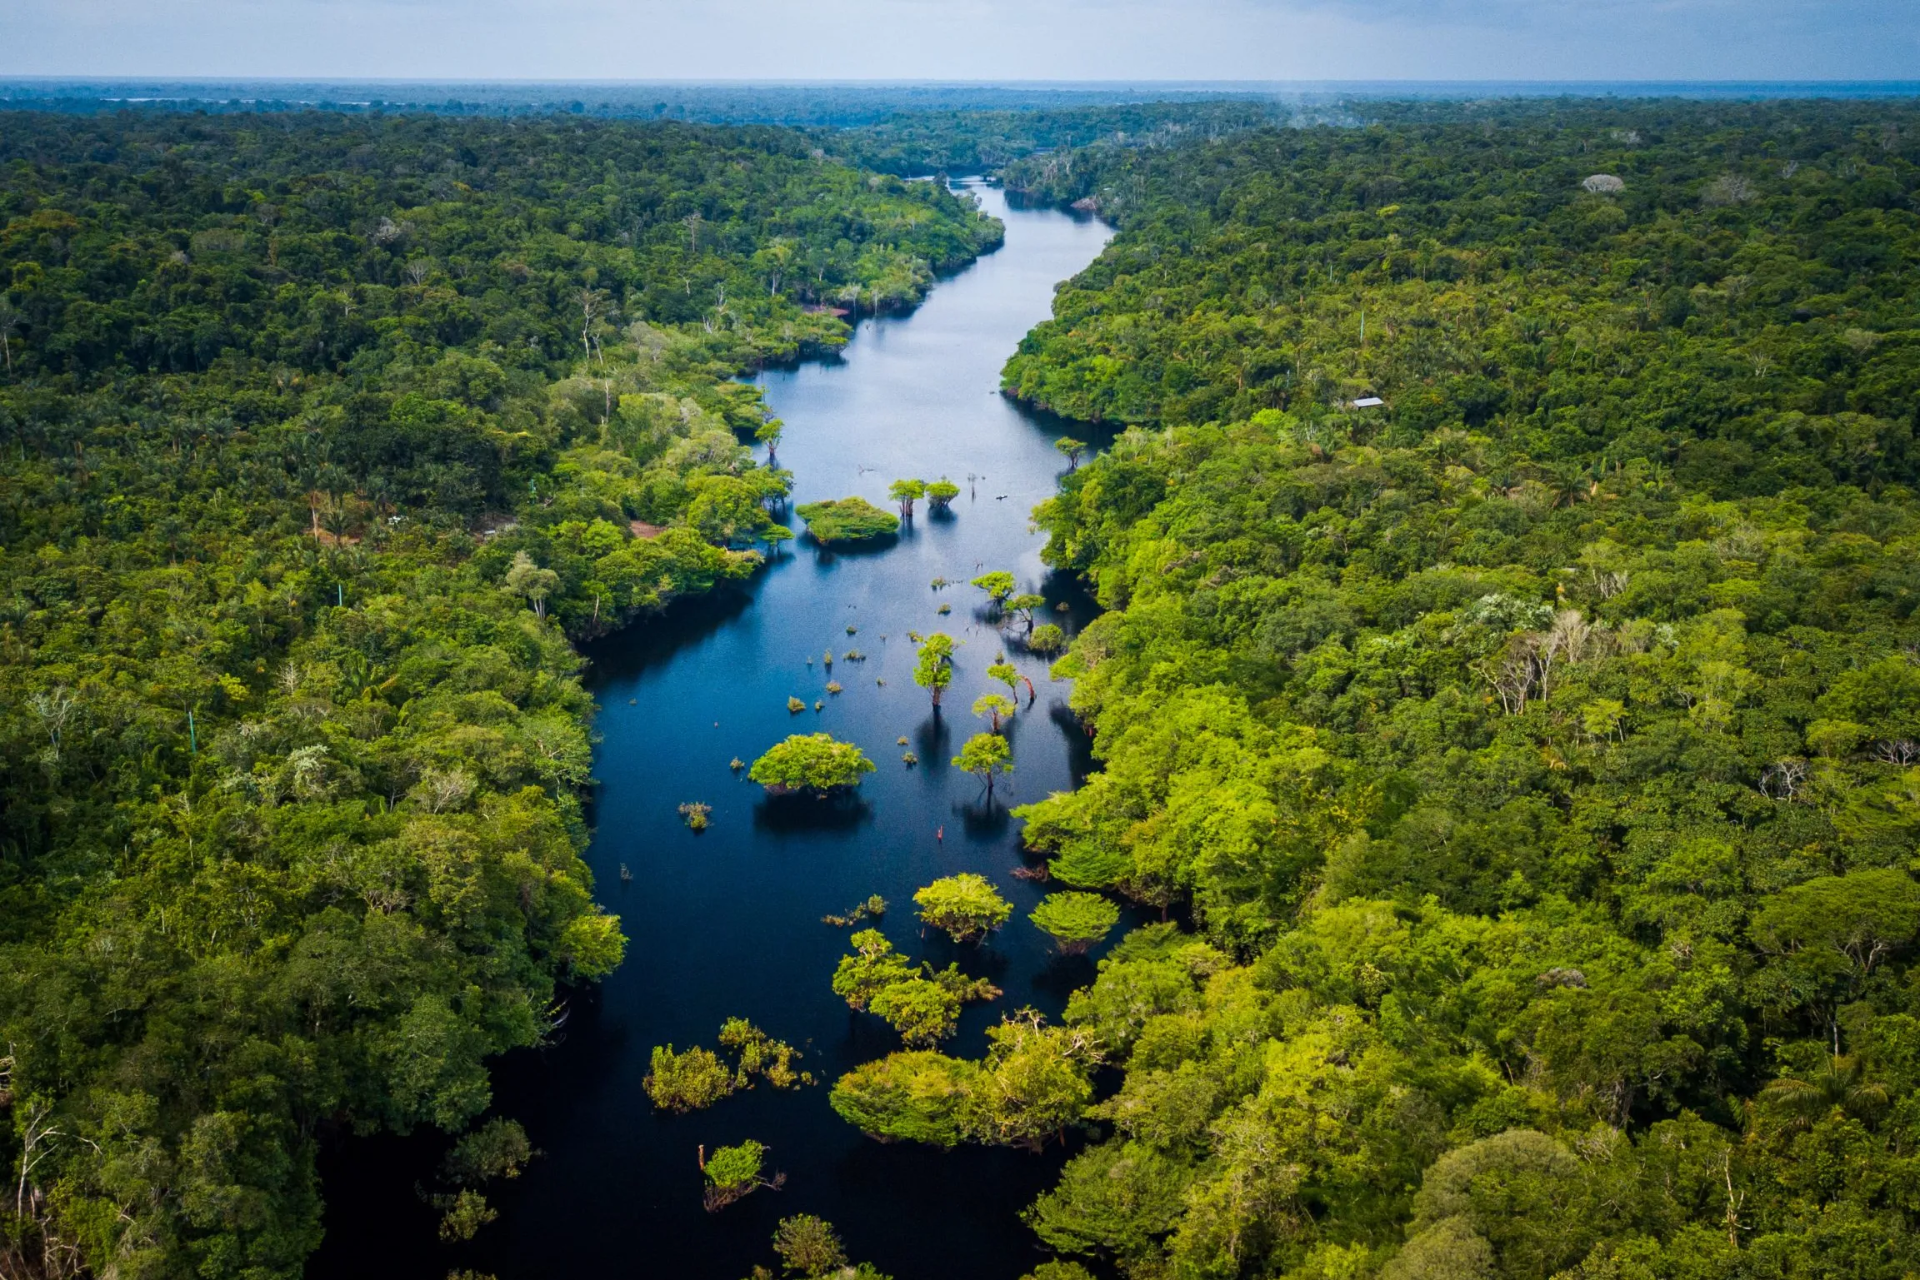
<point>727,922</point>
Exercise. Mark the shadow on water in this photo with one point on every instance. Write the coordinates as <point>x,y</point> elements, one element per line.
<point>727,922</point>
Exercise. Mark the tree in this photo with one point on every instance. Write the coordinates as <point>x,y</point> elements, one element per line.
<point>933,665</point>
<point>734,1172</point>
<point>941,493</point>
<point>872,968</point>
<point>906,493</point>
<point>1047,638</point>
<point>1037,1082</point>
<point>808,1246</point>
<point>768,433</point>
<point>993,706</point>
<point>1024,605</point>
<point>813,762</point>
<point>846,520</point>
<point>525,578</point>
<point>1076,920</point>
<point>1008,674</point>
<point>984,756</point>
<point>690,1081</point>
<point>1073,449</point>
<point>10,319</point>
<point>997,583</point>
<point>966,907</point>
<point>917,1096</point>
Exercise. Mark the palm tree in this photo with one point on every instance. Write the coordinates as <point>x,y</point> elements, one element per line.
<point>1841,1085</point>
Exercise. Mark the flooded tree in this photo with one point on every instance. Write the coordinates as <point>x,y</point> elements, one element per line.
<point>1076,921</point>
<point>965,907</point>
<point>941,493</point>
<point>985,756</point>
<point>813,762</point>
<point>933,665</point>
<point>906,493</point>
<point>1023,605</point>
<point>733,1173</point>
<point>1073,449</point>
<point>1047,638</point>
<point>998,584</point>
<point>993,706</point>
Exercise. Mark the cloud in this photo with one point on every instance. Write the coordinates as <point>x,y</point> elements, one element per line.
<point>964,39</point>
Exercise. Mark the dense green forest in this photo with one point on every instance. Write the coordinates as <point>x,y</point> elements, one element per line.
<point>319,438</point>
<point>1509,690</point>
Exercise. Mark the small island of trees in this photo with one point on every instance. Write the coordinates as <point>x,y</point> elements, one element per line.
<point>812,762</point>
<point>846,520</point>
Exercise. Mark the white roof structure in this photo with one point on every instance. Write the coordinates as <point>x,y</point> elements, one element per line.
<point>1368,402</point>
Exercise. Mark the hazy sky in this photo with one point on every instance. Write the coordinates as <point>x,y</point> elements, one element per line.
<point>966,39</point>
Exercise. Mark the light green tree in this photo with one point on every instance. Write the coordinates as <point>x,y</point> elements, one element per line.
<point>813,762</point>
<point>985,756</point>
<point>1076,920</point>
<point>966,907</point>
<point>933,665</point>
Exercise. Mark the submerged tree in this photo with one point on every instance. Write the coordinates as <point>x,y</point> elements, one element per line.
<point>993,706</point>
<point>1073,449</point>
<point>966,907</point>
<point>998,584</point>
<point>1023,605</point>
<point>985,756</point>
<point>1076,920</point>
<point>813,762</point>
<point>1047,638</point>
<point>933,665</point>
<point>941,493</point>
<point>906,493</point>
<point>733,1173</point>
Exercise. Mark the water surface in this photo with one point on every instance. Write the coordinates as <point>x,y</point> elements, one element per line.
<point>727,922</point>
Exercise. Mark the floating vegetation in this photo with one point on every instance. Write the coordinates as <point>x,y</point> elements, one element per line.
<point>853,655</point>
<point>852,630</point>
<point>733,1173</point>
<point>828,659</point>
<point>833,686</point>
<point>941,582</point>
<point>879,680</point>
<point>900,741</point>
<point>626,876</point>
<point>872,909</point>
<point>910,759</point>
<point>682,1082</point>
<point>818,703</point>
<point>795,705</point>
<point>1035,875</point>
<point>944,609</point>
<point>736,764</point>
<point>696,814</point>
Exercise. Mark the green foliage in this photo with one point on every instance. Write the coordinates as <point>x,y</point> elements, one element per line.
<point>810,762</point>
<point>761,1057</point>
<point>985,755</point>
<point>993,706</point>
<point>906,493</point>
<point>966,906</point>
<point>872,909</point>
<point>1533,753</point>
<point>1076,921</point>
<point>730,1169</point>
<point>997,583</point>
<point>846,520</point>
<point>319,436</point>
<point>1047,638</point>
<point>690,1081</point>
<point>808,1246</point>
<point>933,665</point>
<point>908,1097</point>
<point>1034,1083</point>
<point>941,493</point>
<point>920,1003</point>
<point>463,1214</point>
<point>497,1149</point>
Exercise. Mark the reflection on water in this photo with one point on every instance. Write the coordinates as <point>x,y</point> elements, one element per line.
<point>727,922</point>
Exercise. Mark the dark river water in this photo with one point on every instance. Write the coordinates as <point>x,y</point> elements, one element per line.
<point>727,922</point>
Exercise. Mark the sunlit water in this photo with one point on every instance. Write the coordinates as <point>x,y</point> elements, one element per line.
<point>727,922</point>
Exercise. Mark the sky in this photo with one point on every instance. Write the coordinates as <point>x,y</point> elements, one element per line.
<point>1000,40</point>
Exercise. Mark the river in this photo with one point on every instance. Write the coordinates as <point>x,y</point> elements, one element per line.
<point>726,922</point>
